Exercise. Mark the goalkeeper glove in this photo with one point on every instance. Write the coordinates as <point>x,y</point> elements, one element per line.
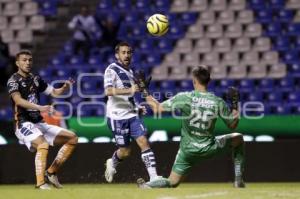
<point>142,82</point>
<point>233,97</point>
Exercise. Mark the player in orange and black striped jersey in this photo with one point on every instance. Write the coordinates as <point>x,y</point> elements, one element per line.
<point>24,89</point>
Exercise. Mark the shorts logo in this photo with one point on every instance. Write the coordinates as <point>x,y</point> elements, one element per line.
<point>25,131</point>
<point>120,140</point>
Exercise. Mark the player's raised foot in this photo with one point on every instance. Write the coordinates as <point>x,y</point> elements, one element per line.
<point>239,184</point>
<point>142,184</point>
<point>52,178</point>
<point>44,186</point>
<point>110,171</point>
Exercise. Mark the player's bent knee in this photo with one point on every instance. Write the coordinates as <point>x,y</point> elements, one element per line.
<point>125,152</point>
<point>73,139</point>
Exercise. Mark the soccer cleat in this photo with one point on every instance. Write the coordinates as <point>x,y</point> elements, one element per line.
<point>110,171</point>
<point>44,186</point>
<point>239,184</point>
<point>155,178</point>
<point>52,178</point>
<point>142,184</point>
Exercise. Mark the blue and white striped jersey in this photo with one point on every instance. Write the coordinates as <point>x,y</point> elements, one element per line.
<point>119,106</point>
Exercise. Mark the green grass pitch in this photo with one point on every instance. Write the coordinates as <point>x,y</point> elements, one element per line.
<point>130,191</point>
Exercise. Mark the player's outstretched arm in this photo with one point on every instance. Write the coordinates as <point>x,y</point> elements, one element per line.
<point>154,104</point>
<point>16,96</point>
<point>59,91</point>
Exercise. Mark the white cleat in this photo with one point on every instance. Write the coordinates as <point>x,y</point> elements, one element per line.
<point>52,178</point>
<point>110,171</point>
<point>44,186</point>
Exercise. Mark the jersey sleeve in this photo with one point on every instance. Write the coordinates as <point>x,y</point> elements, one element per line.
<point>225,113</point>
<point>44,87</point>
<point>12,86</point>
<point>176,102</point>
<point>109,77</point>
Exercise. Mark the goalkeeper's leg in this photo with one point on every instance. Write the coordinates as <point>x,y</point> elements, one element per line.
<point>236,142</point>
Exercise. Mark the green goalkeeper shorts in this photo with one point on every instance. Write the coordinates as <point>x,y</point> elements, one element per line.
<point>185,160</point>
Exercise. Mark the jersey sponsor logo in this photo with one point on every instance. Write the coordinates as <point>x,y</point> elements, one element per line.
<point>23,84</point>
<point>198,145</point>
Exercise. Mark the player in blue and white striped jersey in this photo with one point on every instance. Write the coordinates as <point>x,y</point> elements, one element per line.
<point>123,113</point>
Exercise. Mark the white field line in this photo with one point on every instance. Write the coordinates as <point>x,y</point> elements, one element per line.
<point>204,195</point>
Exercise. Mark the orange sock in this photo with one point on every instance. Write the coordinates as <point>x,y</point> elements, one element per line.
<point>63,154</point>
<point>40,163</point>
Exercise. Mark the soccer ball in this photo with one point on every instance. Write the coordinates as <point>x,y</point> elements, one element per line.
<point>158,25</point>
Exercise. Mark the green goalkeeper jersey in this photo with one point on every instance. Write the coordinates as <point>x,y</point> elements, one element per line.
<point>199,112</point>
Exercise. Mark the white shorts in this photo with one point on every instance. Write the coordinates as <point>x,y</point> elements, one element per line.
<point>30,131</point>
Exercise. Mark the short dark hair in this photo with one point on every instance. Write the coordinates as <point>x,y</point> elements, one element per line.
<point>23,52</point>
<point>123,43</point>
<point>202,74</point>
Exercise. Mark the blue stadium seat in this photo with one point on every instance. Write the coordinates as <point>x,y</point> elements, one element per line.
<point>257,4</point>
<point>104,5</point>
<point>295,69</point>
<point>246,85</point>
<point>152,59</point>
<point>283,110</point>
<point>293,29</point>
<point>188,18</point>
<point>63,72</point>
<point>59,59</point>
<point>168,85</point>
<point>48,8</point>
<point>76,60</point>
<point>143,5</point>
<point>186,85</point>
<point>146,46</point>
<point>294,97</point>
<point>285,16</point>
<point>286,84</point>
<point>164,45</point>
<point>291,57</point>
<point>277,4</point>
<point>131,18</point>
<point>162,5</point>
<point>68,48</point>
<point>264,16</point>
<point>95,60</point>
<point>139,31</point>
<point>172,17</point>
<point>225,83</point>
<point>273,29</point>
<point>255,96</point>
<point>6,113</point>
<point>176,31</point>
<point>123,5</point>
<point>281,43</point>
<point>274,96</point>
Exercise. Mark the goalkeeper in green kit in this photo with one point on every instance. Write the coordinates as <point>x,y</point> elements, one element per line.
<point>199,111</point>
